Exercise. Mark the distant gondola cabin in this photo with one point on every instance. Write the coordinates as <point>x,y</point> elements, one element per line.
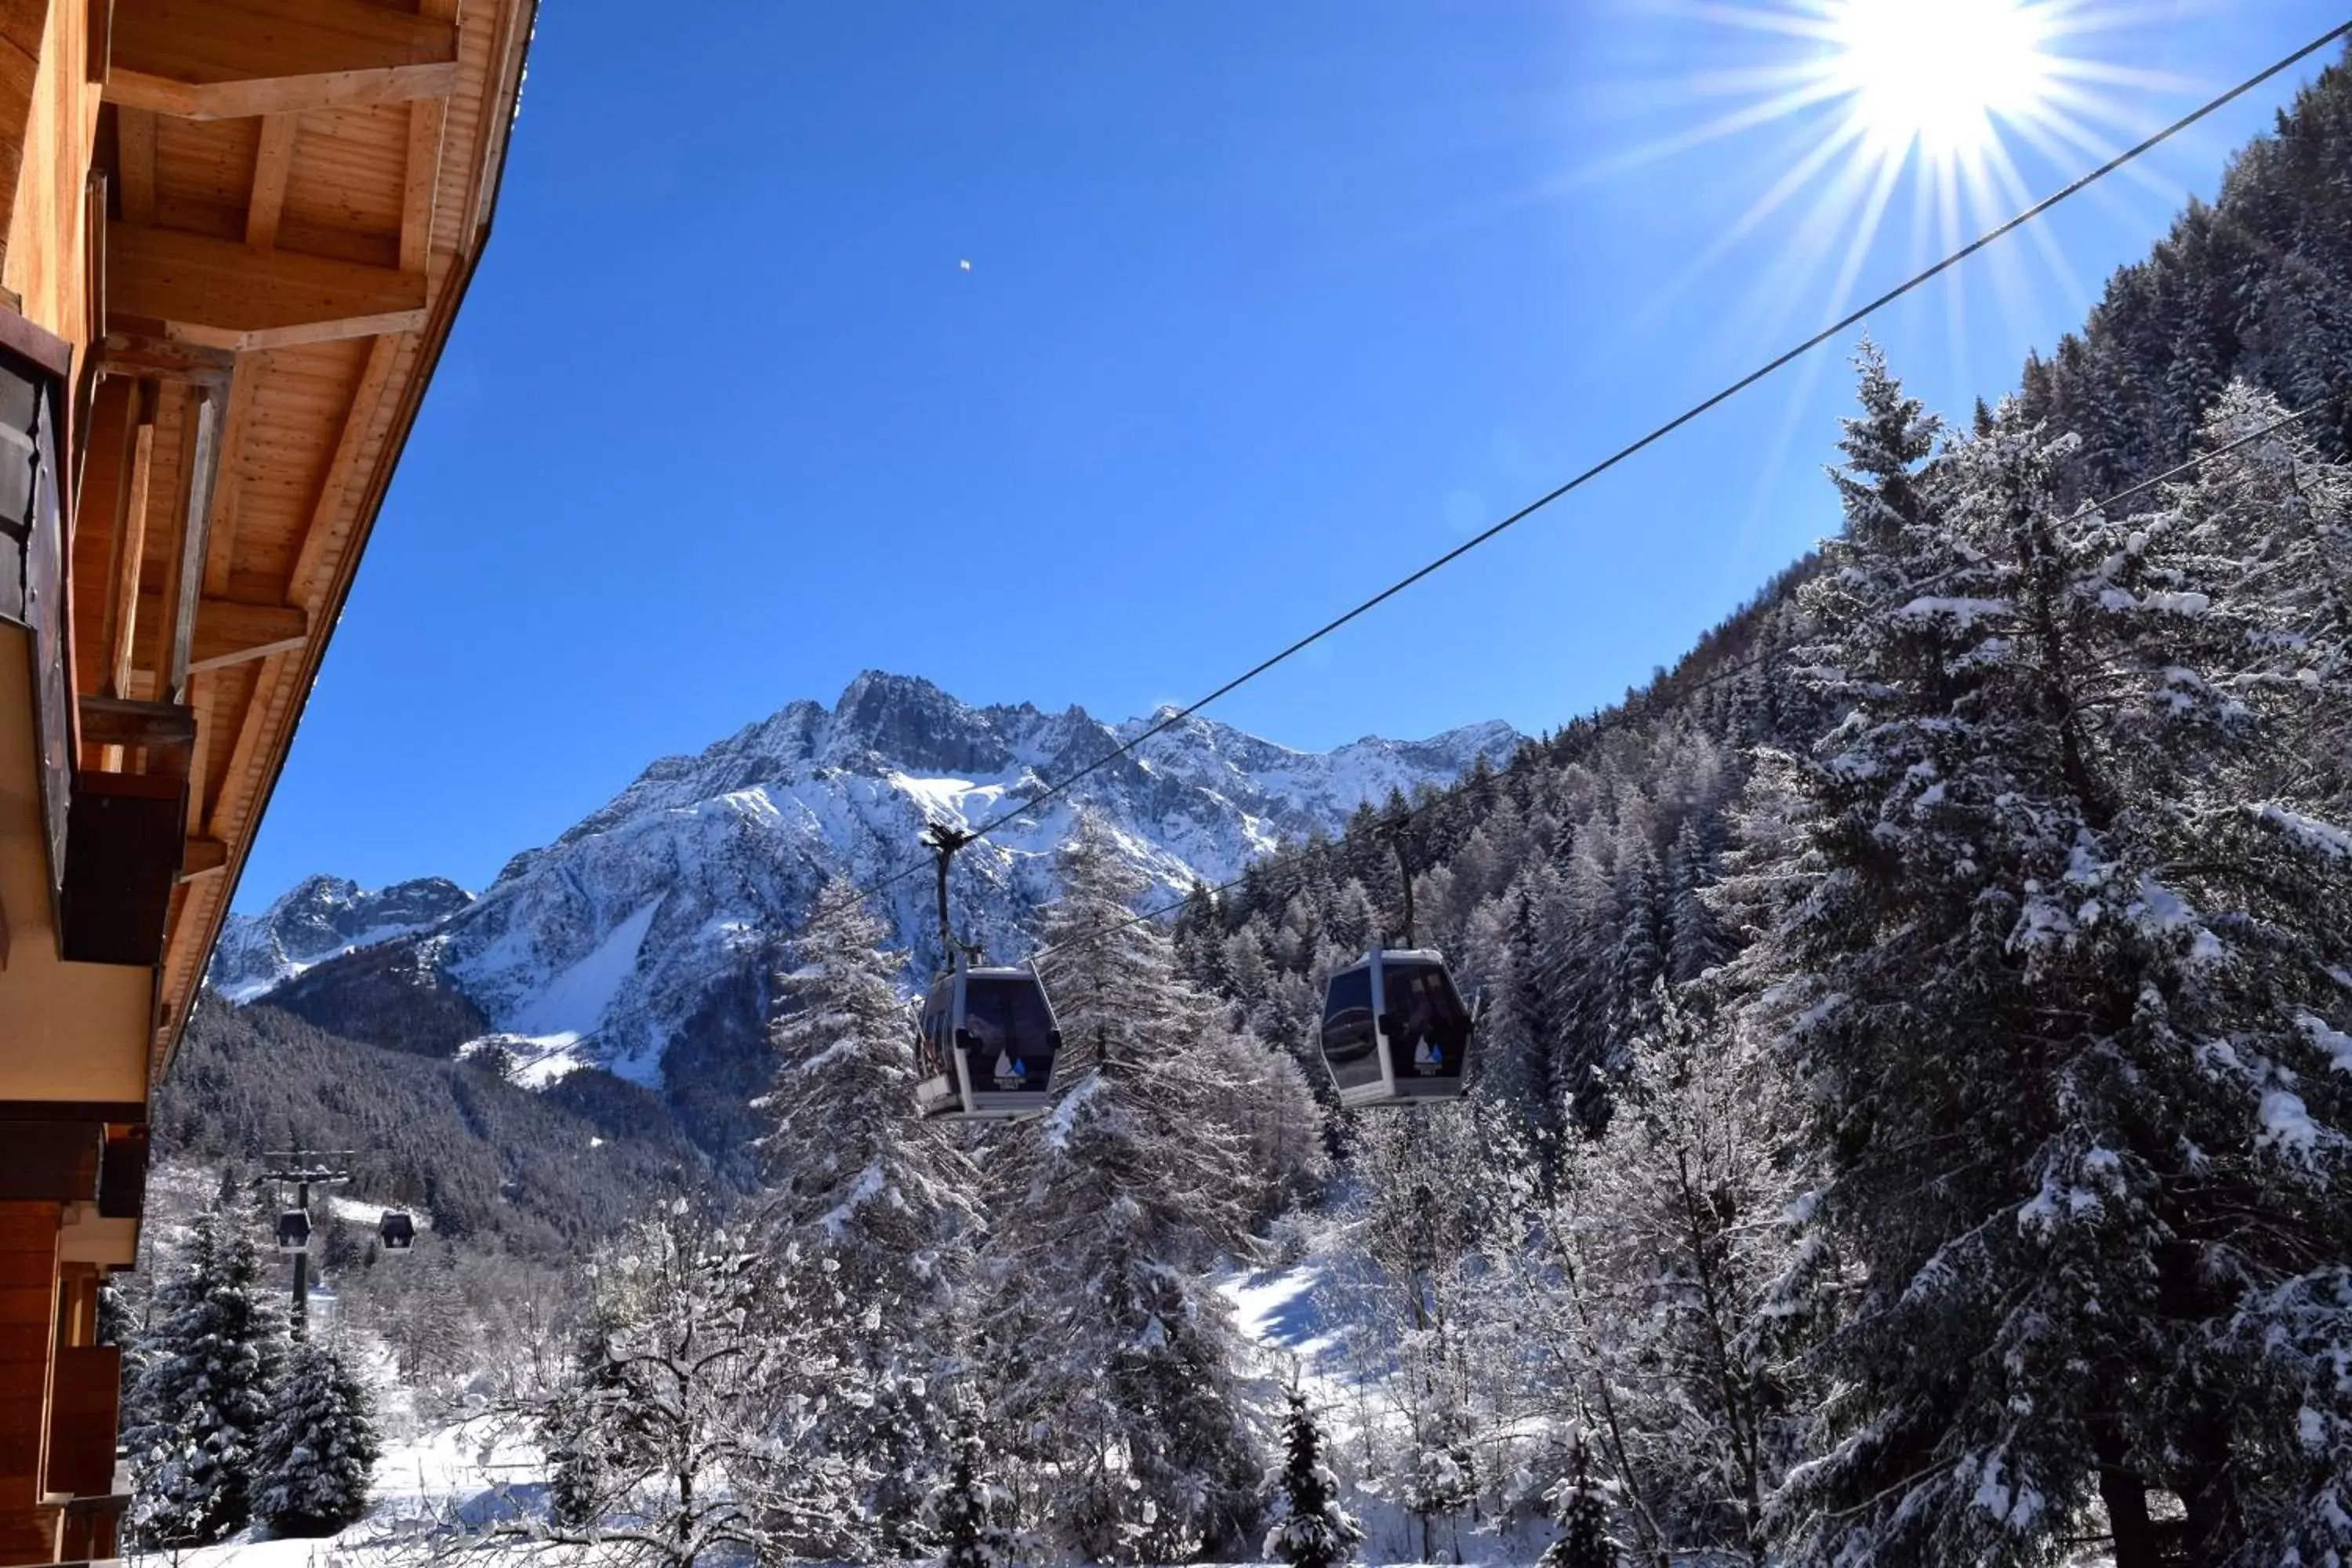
<point>986,1044</point>
<point>294,1231</point>
<point>396,1231</point>
<point>1395,1030</point>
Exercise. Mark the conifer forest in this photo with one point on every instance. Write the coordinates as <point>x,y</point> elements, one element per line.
<point>1909,1118</point>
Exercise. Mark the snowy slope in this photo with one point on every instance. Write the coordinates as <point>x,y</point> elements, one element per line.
<point>605,946</point>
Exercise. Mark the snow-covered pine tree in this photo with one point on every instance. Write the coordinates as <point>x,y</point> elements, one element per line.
<point>316,1455</point>
<point>1580,1503</point>
<point>1110,1347</point>
<point>2063,974</point>
<point>966,1517</point>
<point>202,1394</point>
<point>861,1182</point>
<point>1311,1527</point>
<point>1672,1227</point>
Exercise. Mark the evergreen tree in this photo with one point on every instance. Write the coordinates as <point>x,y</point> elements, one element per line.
<point>2061,969</point>
<point>1113,1347</point>
<point>202,1399</point>
<point>1674,1227</point>
<point>1311,1529</point>
<point>1582,1505</point>
<point>884,1200</point>
<point>967,1516</point>
<point>319,1450</point>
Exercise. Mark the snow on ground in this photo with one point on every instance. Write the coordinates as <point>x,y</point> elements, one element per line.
<point>537,1060</point>
<point>366,1212</point>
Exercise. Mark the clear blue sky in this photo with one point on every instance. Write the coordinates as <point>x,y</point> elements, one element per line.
<point>1267,304</point>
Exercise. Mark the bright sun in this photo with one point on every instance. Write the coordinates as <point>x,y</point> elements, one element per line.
<point>1938,74</point>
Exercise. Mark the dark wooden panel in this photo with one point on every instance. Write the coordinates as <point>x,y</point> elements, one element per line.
<point>51,1162</point>
<point>122,858</point>
<point>119,721</point>
<point>123,1174</point>
<point>119,1112</point>
<point>83,1415</point>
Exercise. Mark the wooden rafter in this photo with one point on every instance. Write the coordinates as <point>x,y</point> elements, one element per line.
<point>273,161</point>
<point>220,557</point>
<point>219,292</point>
<point>129,539</point>
<point>420,179</point>
<point>232,631</point>
<point>226,819</point>
<point>226,59</point>
<point>144,358</point>
<point>204,857</point>
<point>200,462</point>
<point>303,586</point>
<point>134,137</point>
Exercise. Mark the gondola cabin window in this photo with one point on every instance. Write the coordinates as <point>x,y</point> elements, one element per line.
<point>1351,1043</point>
<point>931,1041</point>
<point>1432,1029</point>
<point>1006,1034</point>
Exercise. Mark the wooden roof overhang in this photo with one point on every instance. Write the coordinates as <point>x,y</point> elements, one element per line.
<point>287,200</point>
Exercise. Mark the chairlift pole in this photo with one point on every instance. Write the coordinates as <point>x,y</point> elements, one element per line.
<point>944,842</point>
<point>292,1166</point>
<point>1404,878</point>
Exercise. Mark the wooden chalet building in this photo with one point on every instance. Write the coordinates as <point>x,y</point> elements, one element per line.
<point>237,232</point>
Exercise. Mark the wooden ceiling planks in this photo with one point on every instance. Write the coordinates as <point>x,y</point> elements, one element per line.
<point>303,185</point>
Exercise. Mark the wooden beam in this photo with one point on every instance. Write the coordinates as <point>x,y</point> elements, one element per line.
<point>232,296</point>
<point>229,493</point>
<point>237,775</point>
<point>204,700</point>
<point>302,586</point>
<point>421,180</point>
<point>204,857</point>
<point>228,59</point>
<point>128,540</point>
<point>200,462</point>
<point>420,183</point>
<point>134,143</point>
<point>151,356</point>
<point>284,95</point>
<point>230,631</point>
<point>113,721</point>
<point>272,161</point>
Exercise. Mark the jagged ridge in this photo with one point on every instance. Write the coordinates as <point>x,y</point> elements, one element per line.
<point>603,947</point>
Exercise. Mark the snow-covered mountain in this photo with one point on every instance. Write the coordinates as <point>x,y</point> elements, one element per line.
<point>616,943</point>
<point>321,918</point>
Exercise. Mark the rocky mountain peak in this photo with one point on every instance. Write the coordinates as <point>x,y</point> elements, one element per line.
<point>617,944</point>
<point>906,721</point>
<point>323,916</point>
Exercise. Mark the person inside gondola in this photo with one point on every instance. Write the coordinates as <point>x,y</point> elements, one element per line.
<point>985,1032</point>
<point>1428,1042</point>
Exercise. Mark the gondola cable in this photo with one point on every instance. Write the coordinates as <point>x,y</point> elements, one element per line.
<point>1728,672</point>
<point>1777,363</point>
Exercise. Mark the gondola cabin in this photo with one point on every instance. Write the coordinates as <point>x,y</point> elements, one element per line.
<point>1395,1029</point>
<point>986,1044</point>
<point>294,1230</point>
<point>396,1231</point>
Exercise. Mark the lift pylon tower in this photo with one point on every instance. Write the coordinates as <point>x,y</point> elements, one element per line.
<point>303,1169</point>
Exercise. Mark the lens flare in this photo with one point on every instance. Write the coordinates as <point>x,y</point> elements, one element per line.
<point>1942,74</point>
